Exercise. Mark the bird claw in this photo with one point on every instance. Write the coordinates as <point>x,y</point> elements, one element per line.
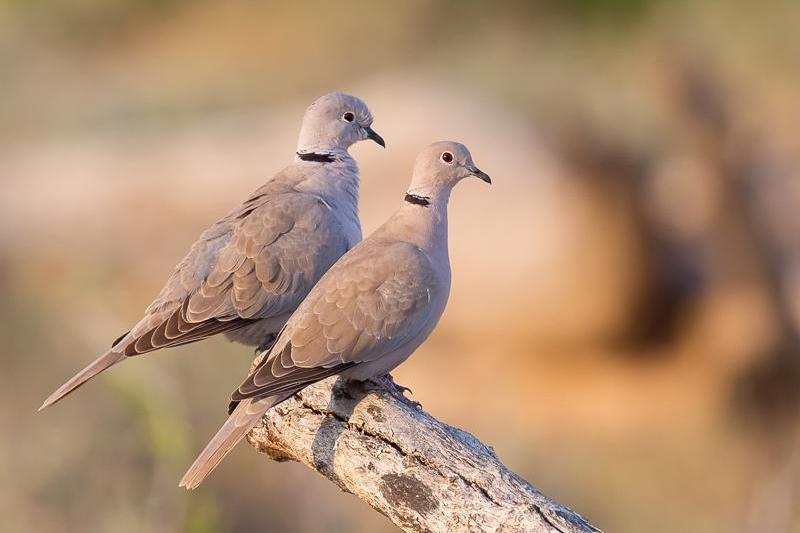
<point>402,389</point>
<point>398,391</point>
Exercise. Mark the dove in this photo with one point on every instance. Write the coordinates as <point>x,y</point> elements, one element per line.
<point>368,313</point>
<point>248,272</point>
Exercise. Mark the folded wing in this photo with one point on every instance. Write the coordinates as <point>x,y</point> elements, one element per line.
<point>258,262</point>
<point>368,305</point>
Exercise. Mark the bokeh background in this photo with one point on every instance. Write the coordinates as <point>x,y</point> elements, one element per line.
<point>623,326</point>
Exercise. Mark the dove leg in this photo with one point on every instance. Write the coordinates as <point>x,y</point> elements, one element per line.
<point>401,388</point>
<point>398,391</point>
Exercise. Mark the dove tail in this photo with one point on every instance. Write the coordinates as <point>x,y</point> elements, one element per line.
<point>103,362</point>
<point>239,423</point>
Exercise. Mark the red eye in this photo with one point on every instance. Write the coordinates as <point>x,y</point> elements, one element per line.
<point>447,157</point>
<point>348,117</point>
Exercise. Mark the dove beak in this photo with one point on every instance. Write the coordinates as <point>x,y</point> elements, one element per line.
<point>372,134</point>
<point>480,174</point>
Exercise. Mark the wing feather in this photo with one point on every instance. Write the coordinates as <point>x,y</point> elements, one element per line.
<point>259,261</point>
<point>375,299</point>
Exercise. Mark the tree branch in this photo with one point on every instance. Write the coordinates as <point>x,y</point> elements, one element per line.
<point>420,473</point>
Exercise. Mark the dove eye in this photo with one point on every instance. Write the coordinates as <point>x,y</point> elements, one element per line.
<point>348,117</point>
<point>447,157</point>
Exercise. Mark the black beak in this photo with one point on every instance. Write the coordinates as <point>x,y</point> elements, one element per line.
<point>371,134</point>
<point>478,173</point>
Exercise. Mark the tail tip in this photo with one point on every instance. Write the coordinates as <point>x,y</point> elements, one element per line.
<point>188,484</point>
<point>50,400</point>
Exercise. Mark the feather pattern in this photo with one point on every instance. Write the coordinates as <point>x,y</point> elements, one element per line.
<point>374,300</point>
<point>262,265</point>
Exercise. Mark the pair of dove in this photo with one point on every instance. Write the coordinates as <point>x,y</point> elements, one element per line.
<point>287,271</point>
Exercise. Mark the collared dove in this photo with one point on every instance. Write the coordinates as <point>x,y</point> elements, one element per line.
<point>246,274</point>
<point>368,313</point>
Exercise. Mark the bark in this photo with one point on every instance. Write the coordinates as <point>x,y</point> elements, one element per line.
<point>420,473</point>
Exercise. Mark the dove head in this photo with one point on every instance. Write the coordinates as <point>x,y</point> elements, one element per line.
<point>440,166</point>
<point>335,122</point>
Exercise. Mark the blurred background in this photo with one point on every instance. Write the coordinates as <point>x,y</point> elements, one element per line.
<point>636,265</point>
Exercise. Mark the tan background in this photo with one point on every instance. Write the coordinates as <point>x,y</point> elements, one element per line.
<point>614,329</point>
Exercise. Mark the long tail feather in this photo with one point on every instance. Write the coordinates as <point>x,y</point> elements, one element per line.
<point>239,423</point>
<point>103,362</point>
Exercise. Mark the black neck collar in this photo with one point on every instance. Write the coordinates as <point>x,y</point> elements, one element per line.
<point>424,201</point>
<point>316,157</point>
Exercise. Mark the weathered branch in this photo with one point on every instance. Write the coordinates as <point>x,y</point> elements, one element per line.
<point>422,474</point>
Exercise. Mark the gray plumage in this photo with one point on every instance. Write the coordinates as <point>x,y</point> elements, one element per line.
<point>246,274</point>
<point>368,313</point>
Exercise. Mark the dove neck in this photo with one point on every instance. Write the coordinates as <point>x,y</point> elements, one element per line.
<point>322,155</point>
<point>434,198</point>
<point>337,183</point>
<point>423,218</point>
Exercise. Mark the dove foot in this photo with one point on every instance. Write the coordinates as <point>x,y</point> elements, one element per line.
<point>398,391</point>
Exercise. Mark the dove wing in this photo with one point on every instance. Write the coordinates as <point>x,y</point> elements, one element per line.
<point>373,301</point>
<point>260,261</point>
